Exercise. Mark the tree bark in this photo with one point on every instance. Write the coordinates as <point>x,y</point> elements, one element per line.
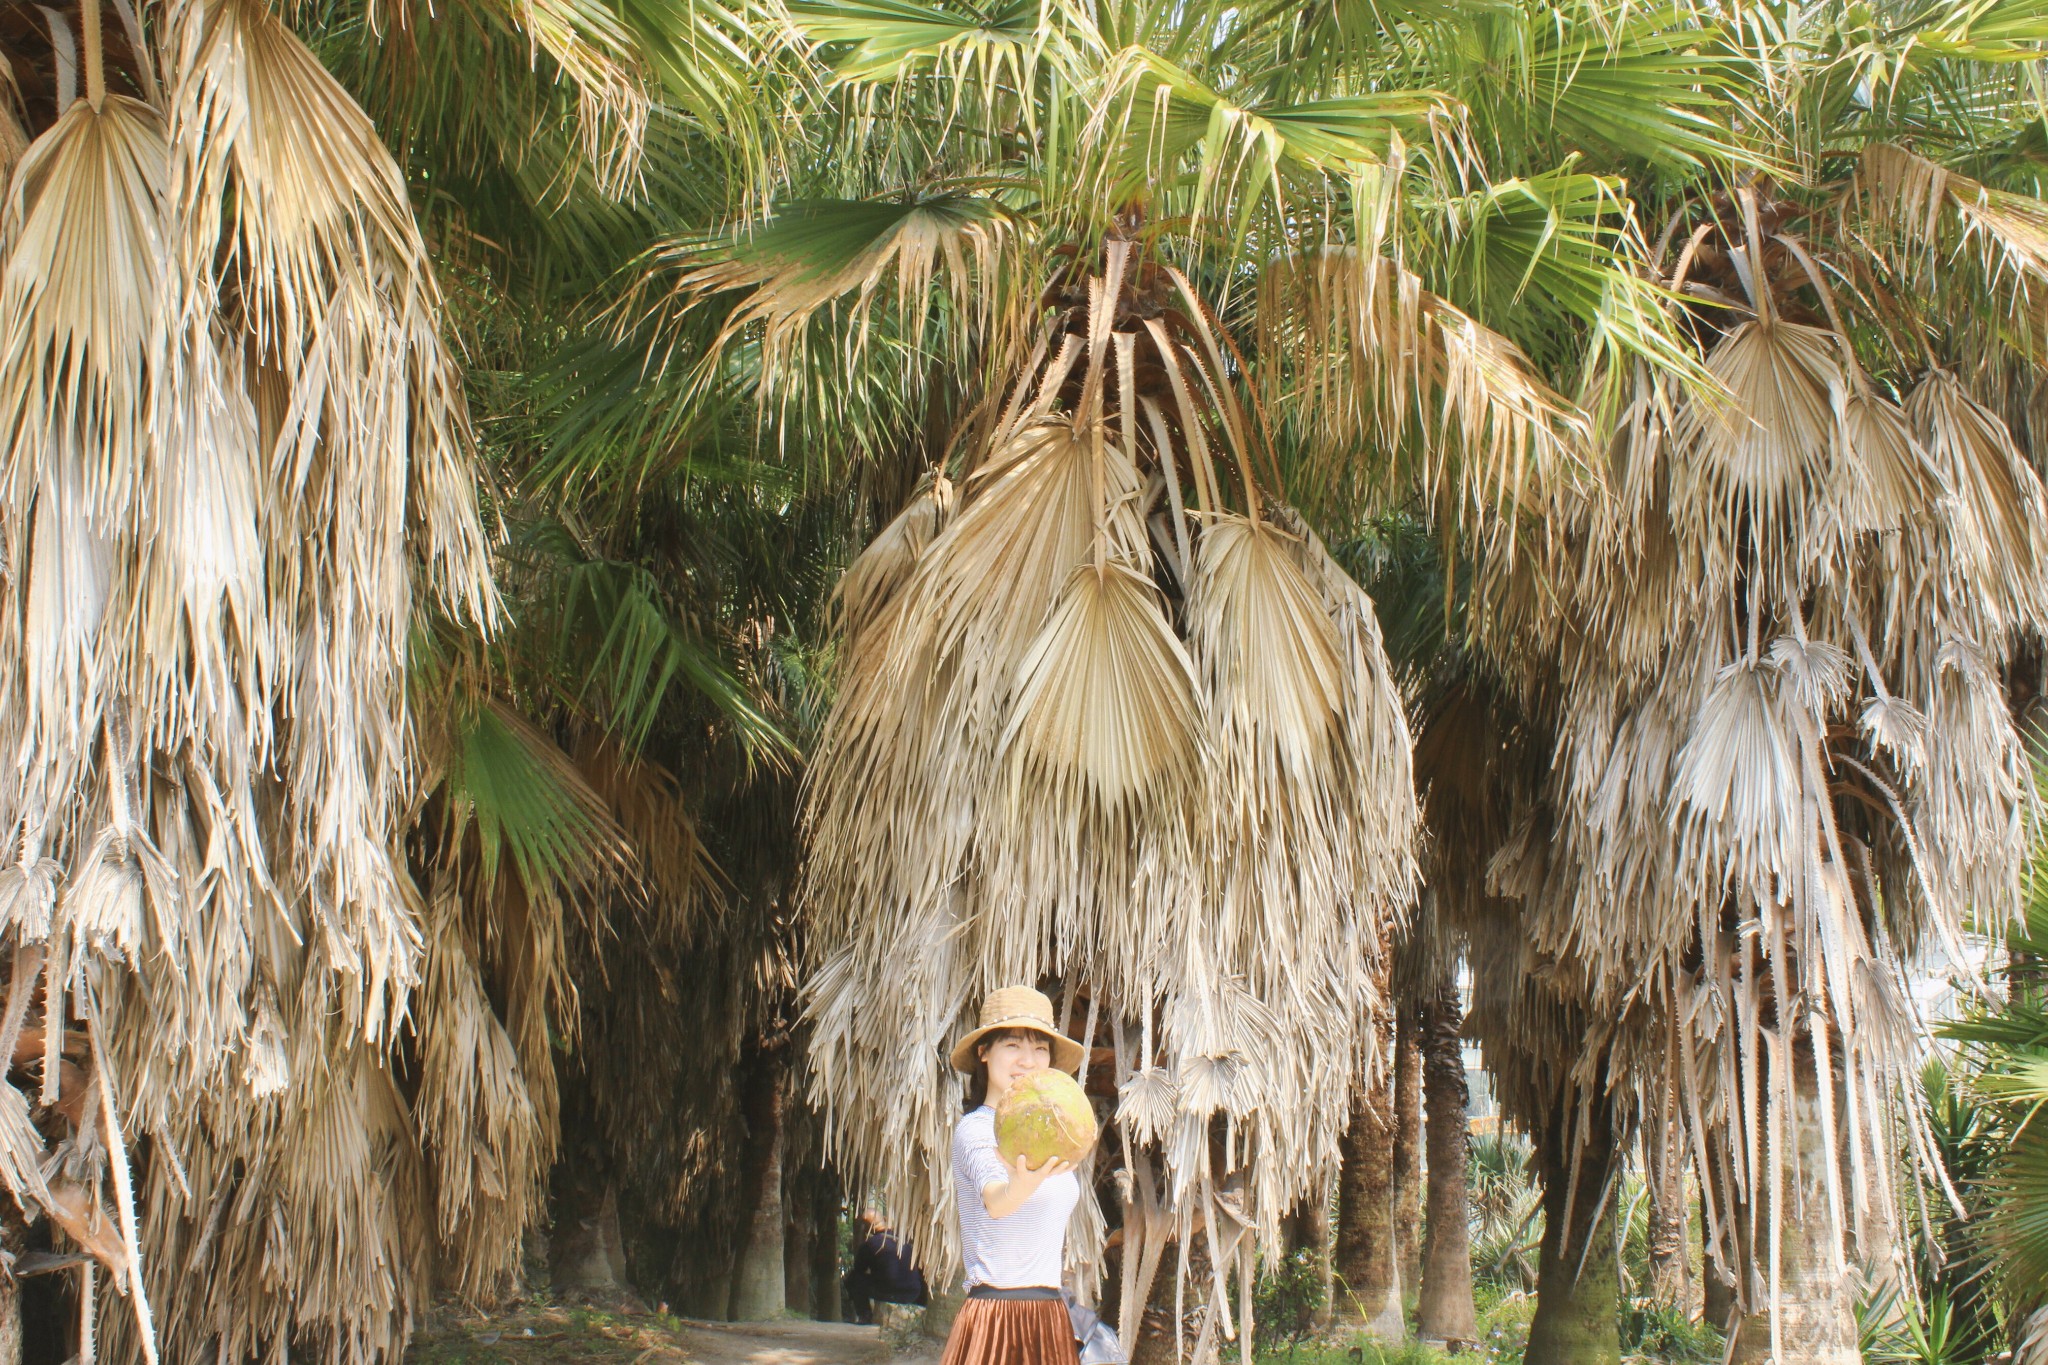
<point>1444,1310</point>
<point>824,1269</point>
<point>1664,1178</point>
<point>1887,1276</point>
<point>799,1225</point>
<point>1816,1309</point>
<point>1366,1268</point>
<point>1408,1144</point>
<point>1578,1284</point>
<point>10,1320</point>
<point>1718,1283</point>
<point>586,1249</point>
<point>1308,1229</point>
<point>945,1306</point>
<point>757,1288</point>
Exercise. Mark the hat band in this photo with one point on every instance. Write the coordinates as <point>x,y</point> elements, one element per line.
<point>1022,1021</point>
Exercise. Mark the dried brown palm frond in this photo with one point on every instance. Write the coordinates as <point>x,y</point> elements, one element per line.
<point>1783,763</point>
<point>476,1112</point>
<point>81,306</point>
<point>614,91</point>
<point>670,863</point>
<point>1200,824</point>
<point>1996,503</point>
<point>237,462</point>
<point>1758,457</point>
<point>13,137</point>
<point>882,568</point>
<point>1934,209</point>
<point>1103,717</point>
<point>839,257</point>
<point>1370,358</point>
<point>1890,480</point>
<point>322,1182</point>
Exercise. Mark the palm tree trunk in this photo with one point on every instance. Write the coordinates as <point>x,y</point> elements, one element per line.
<point>1816,1309</point>
<point>1718,1287</point>
<point>1664,1177</point>
<point>937,1323</point>
<point>758,1292</point>
<point>1578,1284</point>
<point>1308,1229</point>
<point>585,1249</point>
<point>13,1237</point>
<point>1366,1269</point>
<point>799,1225</point>
<point>1881,1257</point>
<point>824,1269</point>
<point>1408,1144</point>
<point>1444,1310</point>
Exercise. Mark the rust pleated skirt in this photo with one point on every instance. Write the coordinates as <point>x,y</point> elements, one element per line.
<point>1012,1332</point>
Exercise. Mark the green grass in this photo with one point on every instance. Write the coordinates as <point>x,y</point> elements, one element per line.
<point>1647,1334</point>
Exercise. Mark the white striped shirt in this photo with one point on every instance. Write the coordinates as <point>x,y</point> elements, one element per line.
<point>1026,1249</point>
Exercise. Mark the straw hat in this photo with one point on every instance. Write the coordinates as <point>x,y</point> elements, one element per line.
<point>1019,1007</point>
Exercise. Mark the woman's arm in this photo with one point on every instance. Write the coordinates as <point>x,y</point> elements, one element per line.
<point>1003,1199</point>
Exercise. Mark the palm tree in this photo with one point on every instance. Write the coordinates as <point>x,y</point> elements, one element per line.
<point>1119,281</point>
<point>1785,755</point>
<point>289,868</point>
<point>238,463</point>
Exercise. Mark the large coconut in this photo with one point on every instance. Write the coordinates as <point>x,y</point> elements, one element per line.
<point>1045,1115</point>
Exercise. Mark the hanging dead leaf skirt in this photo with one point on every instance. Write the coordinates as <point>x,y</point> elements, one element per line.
<point>1012,1332</point>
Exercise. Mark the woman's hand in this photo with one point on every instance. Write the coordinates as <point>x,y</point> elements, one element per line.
<point>1005,1199</point>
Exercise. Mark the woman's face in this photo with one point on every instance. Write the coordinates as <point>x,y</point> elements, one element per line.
<point>1012,1057</point>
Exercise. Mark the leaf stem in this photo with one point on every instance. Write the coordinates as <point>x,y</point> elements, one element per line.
<point>95,59</point>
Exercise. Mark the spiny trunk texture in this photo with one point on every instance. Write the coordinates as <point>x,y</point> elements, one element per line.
<point>757,1288</point>
<point>1443,1310</point>
<point>1664,1177</point>
<point>1718,1284</point>
<point>1578,1285</point>
<point>1408,1145</point>
<point>1368,1273</point>
<point>1816,1308</point>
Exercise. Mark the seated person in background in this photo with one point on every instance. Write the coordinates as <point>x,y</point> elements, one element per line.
<point>882,1270</point>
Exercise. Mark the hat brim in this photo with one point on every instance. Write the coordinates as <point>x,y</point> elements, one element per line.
<point>1067,1054</point>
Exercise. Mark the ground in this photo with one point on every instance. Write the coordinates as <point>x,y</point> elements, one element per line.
<point>539,1333</point>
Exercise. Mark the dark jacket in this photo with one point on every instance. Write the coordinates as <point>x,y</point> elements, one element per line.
<point>882,1265</point>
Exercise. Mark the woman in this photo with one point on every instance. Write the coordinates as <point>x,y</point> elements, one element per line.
<point>1013,1218</point>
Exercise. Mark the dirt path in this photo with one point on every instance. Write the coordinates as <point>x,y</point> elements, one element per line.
<point>784,1343</point>
<point>551,1334</point>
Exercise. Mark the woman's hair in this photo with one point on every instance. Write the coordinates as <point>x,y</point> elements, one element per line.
<point>977,1080</point>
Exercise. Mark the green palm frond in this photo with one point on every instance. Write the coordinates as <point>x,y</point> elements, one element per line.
<point>1157,118</point>
<point>529,803</point>
<point>1981,30</point>
<point>975,50</point>
<point>2020,1218</point>
<point>820,255</point>
<point>635,651</point>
